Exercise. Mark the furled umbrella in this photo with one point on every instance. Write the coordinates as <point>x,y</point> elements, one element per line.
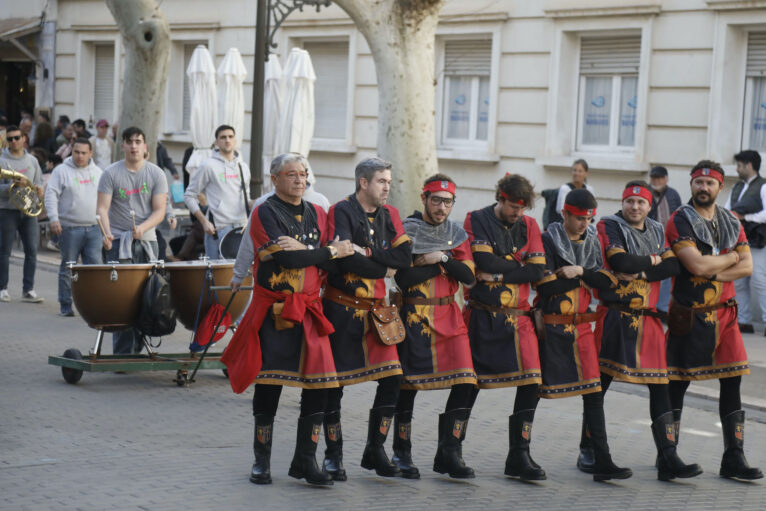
<point>231,95</point>
<point>272,105</point>
<point>296,124</point>
<point>203,118</point>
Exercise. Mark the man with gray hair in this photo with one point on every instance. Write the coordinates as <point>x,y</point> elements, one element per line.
<point>355,286</point>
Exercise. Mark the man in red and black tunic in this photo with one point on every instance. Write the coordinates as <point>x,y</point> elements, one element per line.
<point>632,340</point>
<point>568,354</point>
<point>354,286</point>
<point>714,252</point>
<point>283,338</point>
<point>508,253</point>
<point>436,353</point>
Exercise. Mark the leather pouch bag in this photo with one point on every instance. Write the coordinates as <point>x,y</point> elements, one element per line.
<point>387,323</point>
<point>680,319</point>
<point>538,318</point>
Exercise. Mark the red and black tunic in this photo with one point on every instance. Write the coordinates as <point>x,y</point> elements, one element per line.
<point>283,338</point>
<point>504,346</point>
<point>568,354</point>
<point>714,348</point>
<point>632,346</point>
<point>359,355</point>
<point>436,353</point>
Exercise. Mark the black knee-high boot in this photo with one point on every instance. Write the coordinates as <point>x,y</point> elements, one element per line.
<point>375,457</point>
<point>449,458</point>
<point>403,445</point>
<point>261,472</point>
<point>586,459</point>
<point>670,465</point>
<point>333,454</point>
<point>734,464</point>
<point>304,464</point>
<point>603,466</point>
<point>519,462</point>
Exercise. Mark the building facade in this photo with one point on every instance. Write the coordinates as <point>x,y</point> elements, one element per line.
<point>521,86</point>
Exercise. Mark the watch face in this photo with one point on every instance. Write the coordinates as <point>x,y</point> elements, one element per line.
<point>445,258</point>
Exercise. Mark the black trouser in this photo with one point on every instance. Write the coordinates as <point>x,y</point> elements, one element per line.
<point>386,394</point>
<point>461,396</point>
<point>659,399</point>
<point>266,400</point>
<point>526,397</point>
<point>729,399</point>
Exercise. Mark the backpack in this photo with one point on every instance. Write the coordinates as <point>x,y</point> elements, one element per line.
<point>550,214</point>
<point>157,316</point>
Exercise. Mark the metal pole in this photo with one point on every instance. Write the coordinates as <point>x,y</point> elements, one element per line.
<point>256,115</point>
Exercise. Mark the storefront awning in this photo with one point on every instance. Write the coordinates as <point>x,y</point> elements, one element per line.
<point>12,28</point>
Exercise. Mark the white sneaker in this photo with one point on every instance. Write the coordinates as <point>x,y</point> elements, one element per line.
<point>31,297</point>
<point>4,296</point>
<point>50,245</point>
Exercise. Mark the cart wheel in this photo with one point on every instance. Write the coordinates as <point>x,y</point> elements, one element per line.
<point>72,375</point>
<point>182,378</point>
<point>225,372</point>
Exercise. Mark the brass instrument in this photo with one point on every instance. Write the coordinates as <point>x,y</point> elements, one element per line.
<point>23,193</point>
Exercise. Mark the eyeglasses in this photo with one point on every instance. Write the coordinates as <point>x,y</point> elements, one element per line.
<point>441,200</point>
<point>11,139</point>
<point>293,175</point>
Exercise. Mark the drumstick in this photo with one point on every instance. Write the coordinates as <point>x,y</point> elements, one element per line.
<point>101,226</point>
<point>133,218</point>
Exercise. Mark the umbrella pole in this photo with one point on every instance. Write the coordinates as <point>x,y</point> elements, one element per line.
<point>256,116</point>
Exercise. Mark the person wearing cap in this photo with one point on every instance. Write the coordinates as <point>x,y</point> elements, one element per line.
<point>747,202</point>
<point>223,179</point>
<point>354,287</point>
<point>436,353</point>
<point>632,339</point>
<point>574,266</point>
<point>508,252</point>
<point>282,339</point>
<point>714,252</point>
<point>103,146</point>
<point>665,201</point>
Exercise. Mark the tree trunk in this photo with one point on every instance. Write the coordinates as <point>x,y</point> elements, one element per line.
<point>401,36</point>
<point>146,38</point>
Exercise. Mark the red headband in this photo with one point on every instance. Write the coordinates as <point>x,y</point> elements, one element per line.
<point>579,211</point>
<point>440,186</point>
<point>706,172</point>
<point>505,196</point>
<point>637,191</point>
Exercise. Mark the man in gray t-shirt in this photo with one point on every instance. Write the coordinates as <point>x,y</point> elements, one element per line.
<point>138,186</point>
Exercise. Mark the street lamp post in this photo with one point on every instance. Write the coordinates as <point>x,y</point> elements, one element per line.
<point>268,18</point>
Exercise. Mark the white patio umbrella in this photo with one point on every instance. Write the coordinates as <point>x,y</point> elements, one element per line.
<point>272,105</point>
<point>231,95</point>
<point>203,118</point>
<point>296,124</point>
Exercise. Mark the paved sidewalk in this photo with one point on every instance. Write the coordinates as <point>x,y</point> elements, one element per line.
<point>138,441</point>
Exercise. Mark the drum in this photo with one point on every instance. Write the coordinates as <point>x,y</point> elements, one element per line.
<point>229,245</point>
<point>188,280</point>
<point>108,296</point>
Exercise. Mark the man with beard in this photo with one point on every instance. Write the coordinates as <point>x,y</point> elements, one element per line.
<point>508,253</point>
<point>354,287</point>
<point>568,351</point>
<point>632,340</point>
<point>282,340</point>
<point>705,342</point>
<point>436,353</point>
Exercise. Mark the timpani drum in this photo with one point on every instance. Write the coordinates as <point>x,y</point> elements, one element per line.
<point>189,281</point>
<point>108,296</point>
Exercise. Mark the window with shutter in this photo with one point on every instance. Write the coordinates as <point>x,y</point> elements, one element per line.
<point>754,118</point>
<point>103,83</point>
<point>608,92</point>
<point>330,61</point>
<point>466,93</point>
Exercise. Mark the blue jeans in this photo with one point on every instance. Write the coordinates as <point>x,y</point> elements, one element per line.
<point>128,341</point>
<point>76,242</point>
<point>211,245</point>
<point>12,220</point>
<point>755,284</point>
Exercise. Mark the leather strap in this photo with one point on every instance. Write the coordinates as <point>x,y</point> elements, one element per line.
<point>495,308</point>
<point>339,297</point>
<point>415,300</point>
<point>731,302</point>
<point>636,312</point>
<point>571,319</point>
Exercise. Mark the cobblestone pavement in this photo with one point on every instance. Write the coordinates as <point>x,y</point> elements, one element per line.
<point>138,441</point>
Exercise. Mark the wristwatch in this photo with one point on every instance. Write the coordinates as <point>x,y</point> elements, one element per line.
<point>333,251</point>
<point>445,258</point>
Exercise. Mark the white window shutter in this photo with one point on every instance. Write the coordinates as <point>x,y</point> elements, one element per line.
<point>468,57</point>
<point>756,54</point>
<point>330,62</point>
<point>103,83</point>
<point>613,55</point>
